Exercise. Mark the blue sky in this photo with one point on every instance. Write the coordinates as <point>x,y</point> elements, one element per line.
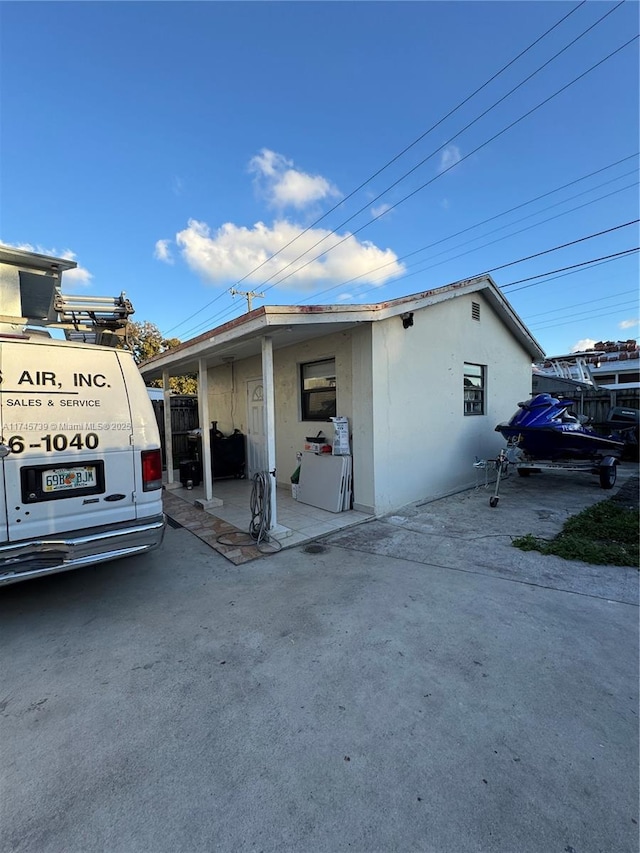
<point>173,148</point>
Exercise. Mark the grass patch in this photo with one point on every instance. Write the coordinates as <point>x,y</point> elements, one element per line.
<point>603,534</point>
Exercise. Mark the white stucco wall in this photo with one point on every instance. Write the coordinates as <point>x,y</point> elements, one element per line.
<point>402,390</point>
<point>424,445</point>
<point>362,448</point>
<point>228,395</point>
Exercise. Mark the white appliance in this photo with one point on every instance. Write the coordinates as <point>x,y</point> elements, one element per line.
<point>325,481</point>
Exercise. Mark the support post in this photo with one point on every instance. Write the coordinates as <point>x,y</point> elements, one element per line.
<point>168,435</point>
<point>270,421</point>
<point>203,415</point>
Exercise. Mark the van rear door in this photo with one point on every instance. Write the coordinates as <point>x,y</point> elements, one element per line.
<point>67,424</point>
<point>3,451</point>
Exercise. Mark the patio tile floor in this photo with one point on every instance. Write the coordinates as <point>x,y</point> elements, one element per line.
<point>303,522</point>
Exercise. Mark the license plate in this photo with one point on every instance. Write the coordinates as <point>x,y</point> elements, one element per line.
<point>68,479</point>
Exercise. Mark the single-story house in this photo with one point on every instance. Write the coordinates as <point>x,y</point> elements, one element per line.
<point>423,380</point>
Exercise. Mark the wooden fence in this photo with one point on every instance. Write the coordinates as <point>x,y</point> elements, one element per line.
<point>597,404</point>
<point>184,417</point>
<point>594,403</point>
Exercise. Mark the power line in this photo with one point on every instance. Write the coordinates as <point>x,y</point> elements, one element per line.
<point>462,159</point>
<point>581,320</point>
<point>543,324</point>
<point>491,219</point>
<point>578,268</point>
<point>545,252</point>
<point>449,168</point>
<point>530,257</point>
<point>555,249</point>
<point>199,311</point>
<point>491,242</point>
<point>622,254</point>
<point>579,304</point>
<point>420,138</point>
<point>401,153</point>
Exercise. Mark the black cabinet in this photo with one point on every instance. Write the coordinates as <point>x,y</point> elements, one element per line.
<point>227,454</point>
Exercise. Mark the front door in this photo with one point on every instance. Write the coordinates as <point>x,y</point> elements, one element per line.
<point>256,440</point>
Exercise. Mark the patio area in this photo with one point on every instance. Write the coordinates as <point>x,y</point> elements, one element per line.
<point>300,522</point>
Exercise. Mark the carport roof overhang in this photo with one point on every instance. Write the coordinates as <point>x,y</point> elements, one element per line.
<point>291,324</point>
<point>243,339</point>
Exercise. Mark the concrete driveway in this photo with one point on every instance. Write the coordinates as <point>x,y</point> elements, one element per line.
<point>419,685</point>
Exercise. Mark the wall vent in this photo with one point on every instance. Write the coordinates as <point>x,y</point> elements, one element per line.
<point>475,310</point>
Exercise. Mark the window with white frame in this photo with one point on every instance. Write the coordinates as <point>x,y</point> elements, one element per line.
<point>318,390</point>
<point>474,389</point>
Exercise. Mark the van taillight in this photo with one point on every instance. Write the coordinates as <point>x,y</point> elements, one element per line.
<point>151,470</point>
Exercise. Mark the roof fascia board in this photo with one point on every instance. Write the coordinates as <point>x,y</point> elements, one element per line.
<point>206,346</point>
<point>266,319</point>
<point>484,284</point>
<point>272,317</point>
<point>500,303</point>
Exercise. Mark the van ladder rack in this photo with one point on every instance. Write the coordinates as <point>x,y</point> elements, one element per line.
<point>93,319</point>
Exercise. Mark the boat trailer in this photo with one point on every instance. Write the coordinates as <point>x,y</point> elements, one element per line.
<point>604,467</point>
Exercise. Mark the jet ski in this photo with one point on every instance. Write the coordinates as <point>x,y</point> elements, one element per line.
<point>544,428</point>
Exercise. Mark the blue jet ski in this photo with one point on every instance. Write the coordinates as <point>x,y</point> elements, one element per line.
<point>543,428</point>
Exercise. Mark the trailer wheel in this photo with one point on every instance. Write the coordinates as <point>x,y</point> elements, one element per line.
<point>524,472</point>
<point>493,501</point>
<point>608,476</point>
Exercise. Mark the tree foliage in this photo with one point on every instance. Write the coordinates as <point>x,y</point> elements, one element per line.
<point>146,340</point>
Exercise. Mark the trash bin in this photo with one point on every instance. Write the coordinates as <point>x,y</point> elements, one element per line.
<point>190,472</point>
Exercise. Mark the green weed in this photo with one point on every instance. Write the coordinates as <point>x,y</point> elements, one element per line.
<point>604,534</point>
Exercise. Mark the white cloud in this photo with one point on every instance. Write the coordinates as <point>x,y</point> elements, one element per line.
<point>344,297</point>
<point>78,276</point>
<point>284,186</point>
<point>232,252</point>
<point>380,210</point>
<point>449,157</point>
<point>177,185</point>
<point>584,344</point>
<point>629,324</point>
<point>162,251</point>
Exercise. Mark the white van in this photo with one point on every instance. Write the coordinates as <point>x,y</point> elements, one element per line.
<point>80,460</point>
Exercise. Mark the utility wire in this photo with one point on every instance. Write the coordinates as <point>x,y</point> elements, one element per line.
<point>579,268</point>
<point>199,311</point>
<point>462,159</point>
<point>422,269</point>
<point>622,254</point>
<point>222,314</point>
<point>520,231</point>
<point>433,153</point>
<point>555,249</point>
<point>580,319</point>
<point>421,137</point>
<point>562,246</point>
<point>486,221</point>
<point>394,159</point>
<point>580,304</point>
<point>543,324</point>
<point>444,171</point>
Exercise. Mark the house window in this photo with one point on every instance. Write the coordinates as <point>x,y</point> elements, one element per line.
<point>318,390</point>
<point>474,388</point>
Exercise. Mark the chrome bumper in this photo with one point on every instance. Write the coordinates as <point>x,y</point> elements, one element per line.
<point>34,558</point>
